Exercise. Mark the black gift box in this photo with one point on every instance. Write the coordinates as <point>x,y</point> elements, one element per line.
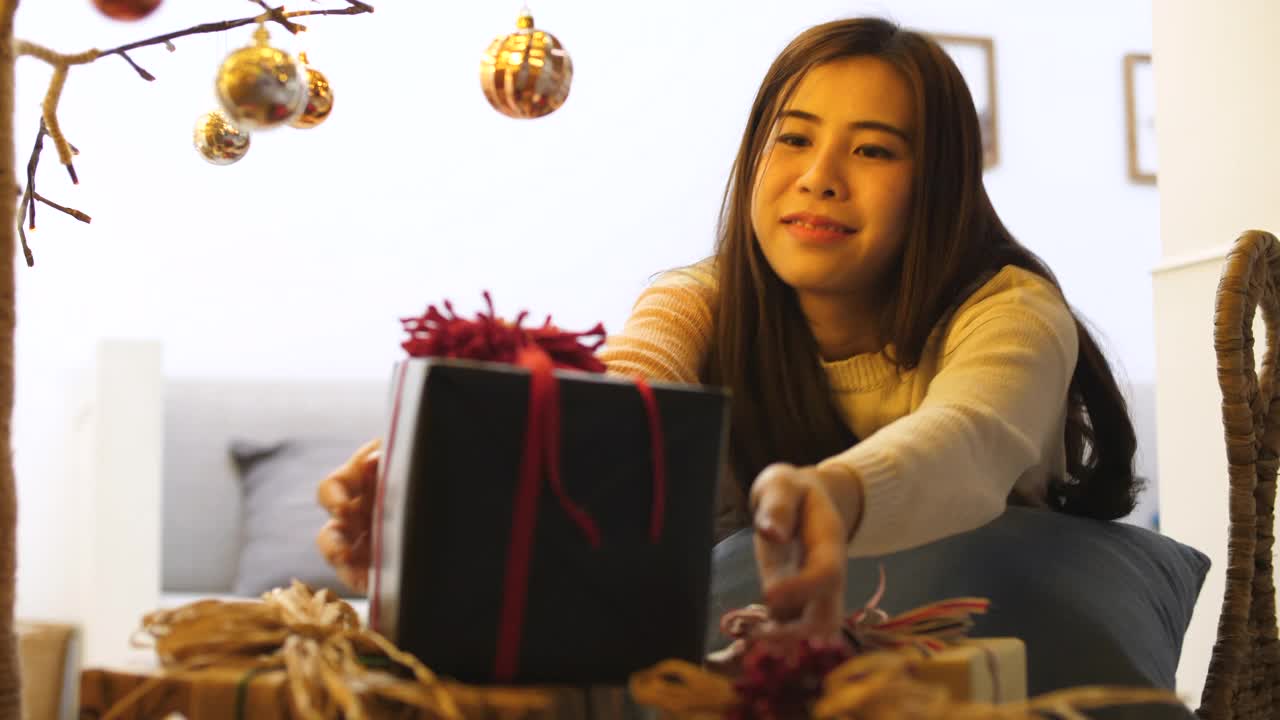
<point>591,614</point>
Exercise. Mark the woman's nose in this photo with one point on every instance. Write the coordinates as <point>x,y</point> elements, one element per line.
<point>823,178</point>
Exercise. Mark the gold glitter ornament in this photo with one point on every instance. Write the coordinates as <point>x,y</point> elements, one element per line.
<point>319,98</point>
<point>261,87</point>
<point>219,140</point>
<point>526,74</point>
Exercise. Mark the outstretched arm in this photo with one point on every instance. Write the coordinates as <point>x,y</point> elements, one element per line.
<point>669,330</point>
<point>998,400</point>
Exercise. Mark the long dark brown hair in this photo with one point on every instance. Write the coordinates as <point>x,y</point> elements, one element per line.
<point>955,242</point>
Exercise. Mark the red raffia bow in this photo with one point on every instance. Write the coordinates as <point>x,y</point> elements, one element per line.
<point>540,350</point>
<point>437,334</point>
<point>929,629</point>
<point>778,671</point>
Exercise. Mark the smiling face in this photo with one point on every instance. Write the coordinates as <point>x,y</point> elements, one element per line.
<point>833,187</point>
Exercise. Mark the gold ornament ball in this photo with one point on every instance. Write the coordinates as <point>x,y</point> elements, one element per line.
<point>261,87</point>
<point>219,140</point>
<point>319,101</point>
<point>526,74</point>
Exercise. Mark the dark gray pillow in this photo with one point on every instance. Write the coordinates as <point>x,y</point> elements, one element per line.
<point>1095,602</point>
<point>281,516</point>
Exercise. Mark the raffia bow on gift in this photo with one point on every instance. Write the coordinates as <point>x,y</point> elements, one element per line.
<point>334,667</point>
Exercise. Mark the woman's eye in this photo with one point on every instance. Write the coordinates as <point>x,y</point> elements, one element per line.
<point>874,151</point>
<point>794,140</point>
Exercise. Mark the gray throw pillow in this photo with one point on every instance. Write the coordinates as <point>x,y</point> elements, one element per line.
<point>1095,602</point>
<point>281,516</point>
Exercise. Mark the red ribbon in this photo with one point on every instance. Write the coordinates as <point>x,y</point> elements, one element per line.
<point>542,451</point>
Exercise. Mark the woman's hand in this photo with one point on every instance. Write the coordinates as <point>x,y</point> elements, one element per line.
<point>348,494</point>
<point>803,518</point>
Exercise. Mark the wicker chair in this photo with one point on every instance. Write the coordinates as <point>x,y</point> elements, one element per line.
<point>1244,673</point>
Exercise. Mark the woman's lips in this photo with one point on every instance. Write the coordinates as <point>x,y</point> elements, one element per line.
<point>816,228</point>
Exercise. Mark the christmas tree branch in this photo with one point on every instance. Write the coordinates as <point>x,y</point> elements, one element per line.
<point>82,217</point>
<point>276,15</point>
<point>26,205</point>
<point>62,63</point>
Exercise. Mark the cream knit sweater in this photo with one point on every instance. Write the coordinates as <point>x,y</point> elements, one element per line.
<point>942,445</point>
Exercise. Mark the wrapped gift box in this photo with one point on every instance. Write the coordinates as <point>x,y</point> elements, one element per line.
<point>212,694</point>
<point>991,670</point>
<point>234,694</point>
<point>449,582</point>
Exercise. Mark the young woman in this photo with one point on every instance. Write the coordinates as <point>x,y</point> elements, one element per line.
<point>901,367</point>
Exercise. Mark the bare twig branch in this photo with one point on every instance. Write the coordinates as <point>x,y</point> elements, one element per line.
<point>62,63</point>
<point>26,249</point>
<point>82,217</point>
<point>26,205</point>
<point>145,75</point>
<point>277,14</point>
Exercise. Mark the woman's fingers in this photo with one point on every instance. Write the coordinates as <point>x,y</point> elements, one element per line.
<point>775,560</point>
<point>818,586</point>
<point>775,500</point>
<point>355,578</point>
<point>800,548</point>
<point>360,551</point>
<point>348,490</point>
<point>347,494</point>
<point>333,543</point>
<point>333,494</point>
<point>348,556</point>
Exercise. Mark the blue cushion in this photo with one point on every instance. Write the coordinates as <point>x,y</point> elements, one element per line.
<point>1095,602</point>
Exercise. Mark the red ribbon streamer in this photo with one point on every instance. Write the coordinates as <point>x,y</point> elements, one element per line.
<point>659,449</point>
<point>542,445</point>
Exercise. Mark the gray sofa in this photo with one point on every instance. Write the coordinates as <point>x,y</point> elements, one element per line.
<point>242,457</point>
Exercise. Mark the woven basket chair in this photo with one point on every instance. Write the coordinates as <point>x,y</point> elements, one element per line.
<point>1244,672</point>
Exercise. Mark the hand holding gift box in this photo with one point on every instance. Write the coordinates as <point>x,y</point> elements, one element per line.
<point>537,521</point>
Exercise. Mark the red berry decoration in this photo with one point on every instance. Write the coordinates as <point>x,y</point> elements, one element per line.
<point>782,678</point>
<point>127,10</point>
<point>778,672</point>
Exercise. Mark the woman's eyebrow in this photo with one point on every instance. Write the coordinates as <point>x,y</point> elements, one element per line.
<point>855,125</point>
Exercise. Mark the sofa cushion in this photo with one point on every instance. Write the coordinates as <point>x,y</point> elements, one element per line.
<point>1095,602</point>
<point>281,515</point>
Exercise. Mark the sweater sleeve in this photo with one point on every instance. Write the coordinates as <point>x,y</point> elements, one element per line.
<point>997,400</point>
<point>668,333</point>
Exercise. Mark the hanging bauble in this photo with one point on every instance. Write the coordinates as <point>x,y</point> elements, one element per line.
<point>219,140</point>
<point>526,74</point>
<point>127,10</point>
<point>261,87</point>
<point>319,98</point>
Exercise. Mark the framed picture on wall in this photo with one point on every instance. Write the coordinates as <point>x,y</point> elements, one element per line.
<point>976,58</point>
<point>1140,117</point>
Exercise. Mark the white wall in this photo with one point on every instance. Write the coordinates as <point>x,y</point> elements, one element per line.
<point>1217,88</point>
<point>299,260</point>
